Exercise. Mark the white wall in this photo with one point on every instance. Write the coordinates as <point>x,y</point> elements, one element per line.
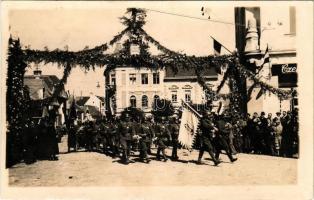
<point>124,88</point>
<point>96,102</point>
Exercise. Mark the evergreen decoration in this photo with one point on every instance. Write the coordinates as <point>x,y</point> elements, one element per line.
<point>16,97</point>
<point>88,59</point>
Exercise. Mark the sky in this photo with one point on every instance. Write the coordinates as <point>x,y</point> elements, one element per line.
<point>81,26</point>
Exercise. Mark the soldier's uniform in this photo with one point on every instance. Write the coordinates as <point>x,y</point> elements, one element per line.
<point>150,136</point>
<point>145,135</point>
<point>126,132</point>
<point>174,132</point>
<point>104,136</point>
<point>220,141</point>
<point>114,139</point>
<point>163,137</point>
<point>206,139</point>
<point>72,137</point>
<point>97,136</point>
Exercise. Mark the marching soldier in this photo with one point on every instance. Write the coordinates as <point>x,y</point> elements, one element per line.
<point>114,137</point>
<point>97,135</point>
<point>150,136</point>
<point>72,138</point>
<point>104,136</point>
<point>173,128</point>
<point>163,137</point>
<point>220,140</point>
<point>144,141</point>
<point>126,131</point>
<point>207,134</point>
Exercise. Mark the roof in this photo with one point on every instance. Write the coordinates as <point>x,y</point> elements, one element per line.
<point>208,73</point>
<point>101,98</point>
<point>81,100</point>
<point>36,85</point>
<point>94,111</point>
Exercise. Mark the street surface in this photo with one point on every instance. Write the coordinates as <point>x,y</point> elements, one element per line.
<point>96,169</point>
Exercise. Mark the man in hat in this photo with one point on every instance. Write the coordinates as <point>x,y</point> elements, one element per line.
<point>151,134</point>
<point>163,137</point>
<point>114,137</point>
<point>207,134</point>
<point>173,128</point>
<point>126,131</point>
<point>144,141</point>
<point>264,131</point>
<point>222,136</point>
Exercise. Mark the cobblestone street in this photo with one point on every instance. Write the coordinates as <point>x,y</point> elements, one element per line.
<point>95,169</point>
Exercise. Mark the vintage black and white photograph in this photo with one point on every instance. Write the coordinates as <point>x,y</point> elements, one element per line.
<point>153,94</point>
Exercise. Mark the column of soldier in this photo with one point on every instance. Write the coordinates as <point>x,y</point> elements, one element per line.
<point>232,133</point>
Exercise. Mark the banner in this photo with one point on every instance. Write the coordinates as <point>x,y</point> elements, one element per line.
<point>188,128</point>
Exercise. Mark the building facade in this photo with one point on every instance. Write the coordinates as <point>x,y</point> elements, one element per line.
<point>92,104</point>
<point>41,88</point>
<point>141,87</point>
<point>258,28</point>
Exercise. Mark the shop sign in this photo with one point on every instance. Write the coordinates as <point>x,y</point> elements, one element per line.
<point>288,68</point>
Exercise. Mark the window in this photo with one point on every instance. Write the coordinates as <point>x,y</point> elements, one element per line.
<point>155,78</point>
<point>132,78</point>
<point>144,101</point>
<point>174,97</point>
<point>133,101</point>
<point>145,79</point>
<point>113,79</point>
<point>187,95</point>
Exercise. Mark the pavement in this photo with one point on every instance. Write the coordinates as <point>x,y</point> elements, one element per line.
<point>96,169</point>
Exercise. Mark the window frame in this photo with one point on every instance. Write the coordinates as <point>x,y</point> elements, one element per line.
<point>144,101</point>
<point>156,78</point>
<point>174,94</point>
<point>144,78</point>
<point>189,93</point>
<point>132,78</point>
<point>133,99</point>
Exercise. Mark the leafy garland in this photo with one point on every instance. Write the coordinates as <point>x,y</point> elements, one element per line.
<point>245,73</point>
<point>97,57</point>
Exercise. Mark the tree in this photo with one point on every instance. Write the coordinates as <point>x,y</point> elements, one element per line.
<point>162,108</point>
<point>133,113</point>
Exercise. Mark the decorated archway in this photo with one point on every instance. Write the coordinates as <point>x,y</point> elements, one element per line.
<point>18,60</point>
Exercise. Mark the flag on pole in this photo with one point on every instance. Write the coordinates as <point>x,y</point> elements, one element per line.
<point>217,47</point>
<point>188,128</point>
<point>264,60</point>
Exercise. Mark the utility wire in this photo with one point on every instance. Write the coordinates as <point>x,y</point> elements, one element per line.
<point>199,18</point>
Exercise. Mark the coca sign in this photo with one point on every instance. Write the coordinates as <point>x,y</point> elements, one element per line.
<point>289,68</point>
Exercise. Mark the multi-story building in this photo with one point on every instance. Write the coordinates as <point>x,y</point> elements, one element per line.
<point>257,28</point>
<point>140,87</point>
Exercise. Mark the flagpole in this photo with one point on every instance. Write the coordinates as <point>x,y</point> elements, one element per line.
<point>192,109</point>
<point>221,44</point>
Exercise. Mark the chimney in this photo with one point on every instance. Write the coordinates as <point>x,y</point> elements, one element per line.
<point>37,72</point>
